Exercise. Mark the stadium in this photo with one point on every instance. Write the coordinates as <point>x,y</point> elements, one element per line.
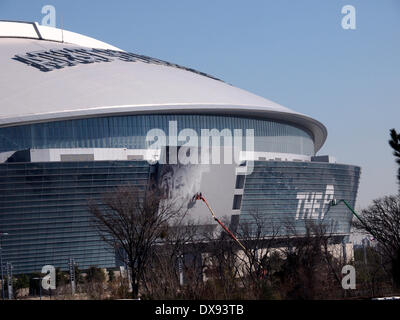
<point>75,117</point>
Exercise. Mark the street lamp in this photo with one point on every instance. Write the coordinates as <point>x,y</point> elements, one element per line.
<point>1,264</point>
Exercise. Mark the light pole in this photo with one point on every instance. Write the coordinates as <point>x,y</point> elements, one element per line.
<point>1,264</point>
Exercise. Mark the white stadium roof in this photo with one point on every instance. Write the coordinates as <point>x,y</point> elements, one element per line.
<point>30,95</point>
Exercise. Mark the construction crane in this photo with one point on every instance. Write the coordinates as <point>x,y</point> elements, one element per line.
<point>199,196</point>
<point>335,202</point>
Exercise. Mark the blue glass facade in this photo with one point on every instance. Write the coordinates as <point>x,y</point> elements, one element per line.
<point>44,208</point>
<point>44,205</point>
<point>130,132</point>
<point>292,193</point>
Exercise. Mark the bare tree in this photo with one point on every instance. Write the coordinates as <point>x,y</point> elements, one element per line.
<point>372,278</point>
<point>259,235</point>
<point>309,270</point>
<point>134,222</point>
<point>382,221</point>
<point>220,266</point>
<point>171,260</point>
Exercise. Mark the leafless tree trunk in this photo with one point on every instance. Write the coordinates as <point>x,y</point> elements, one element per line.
<point>309,271</point>
<point>134,222</point>
<point>382,221</point>
<point>259,236</point>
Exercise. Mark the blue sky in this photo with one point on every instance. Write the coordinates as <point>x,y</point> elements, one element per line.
<point>292,52</point>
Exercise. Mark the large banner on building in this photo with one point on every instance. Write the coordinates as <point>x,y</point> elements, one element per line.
<point>290,194</point>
